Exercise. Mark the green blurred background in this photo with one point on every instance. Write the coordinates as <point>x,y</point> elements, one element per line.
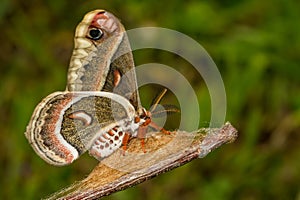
<point>255,44</point>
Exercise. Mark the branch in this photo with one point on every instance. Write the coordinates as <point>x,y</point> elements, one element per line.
<point>164,153</point>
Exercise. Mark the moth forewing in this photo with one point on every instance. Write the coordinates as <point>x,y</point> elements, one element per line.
<point>105,63</point>
<point>91,58</point>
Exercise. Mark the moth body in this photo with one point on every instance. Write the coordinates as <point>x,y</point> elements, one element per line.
<point>110,141</point>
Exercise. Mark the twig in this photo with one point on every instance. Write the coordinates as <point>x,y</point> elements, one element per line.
<point>164,153</point>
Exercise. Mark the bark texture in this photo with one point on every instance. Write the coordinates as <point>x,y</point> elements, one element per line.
<point>163,153</point>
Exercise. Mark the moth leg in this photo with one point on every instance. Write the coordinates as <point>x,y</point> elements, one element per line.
<point>143,145</point>
<point>156,127</point>
<point>142,135</point>
<point>125,142</point>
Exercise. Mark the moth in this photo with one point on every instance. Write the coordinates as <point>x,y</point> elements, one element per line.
<point>100,109</point>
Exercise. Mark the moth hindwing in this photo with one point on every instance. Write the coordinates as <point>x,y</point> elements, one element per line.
<point>66,124</point>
